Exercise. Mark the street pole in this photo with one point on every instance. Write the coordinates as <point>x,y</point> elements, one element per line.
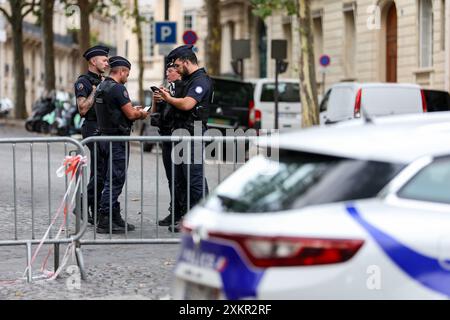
<point>323,83</point>
<point>241,62</point>
<point>166,18</point>
<point>275,92</point>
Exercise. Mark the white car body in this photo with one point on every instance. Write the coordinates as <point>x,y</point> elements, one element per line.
<point>377,99</point>
<point>289,112</point>
<point>404,250</point>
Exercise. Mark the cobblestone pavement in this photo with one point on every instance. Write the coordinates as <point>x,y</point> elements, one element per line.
<point>114,271</point>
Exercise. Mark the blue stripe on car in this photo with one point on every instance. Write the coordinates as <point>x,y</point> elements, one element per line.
<point>426,270</point>
<point>239,280</point>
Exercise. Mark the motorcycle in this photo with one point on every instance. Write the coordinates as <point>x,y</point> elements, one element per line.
<point>41,117</point>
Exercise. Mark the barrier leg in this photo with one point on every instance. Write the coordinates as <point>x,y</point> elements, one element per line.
<point>80,263</point>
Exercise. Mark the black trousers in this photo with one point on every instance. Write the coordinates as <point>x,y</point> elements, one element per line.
<point>176,199</point>
<point>113,188</point>
<point>90,129</point>
<point>192,172</point>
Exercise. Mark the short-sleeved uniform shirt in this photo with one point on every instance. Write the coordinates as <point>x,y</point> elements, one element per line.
<point>119,95</point>
<point>83,87</point>
<point>200,87</point>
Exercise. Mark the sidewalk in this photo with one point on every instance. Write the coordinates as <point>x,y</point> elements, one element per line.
<point>12,122</point>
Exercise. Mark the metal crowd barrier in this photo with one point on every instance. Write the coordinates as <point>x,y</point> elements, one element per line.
<point>143,200</point>
<point>33,219</point>
<point>147,231</point>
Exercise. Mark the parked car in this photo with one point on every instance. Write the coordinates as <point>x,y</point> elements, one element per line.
<point>350,211</point>
<point>289,105</point>
<point>233,105</point>
<point>437,100</point>
<point>347,100</point>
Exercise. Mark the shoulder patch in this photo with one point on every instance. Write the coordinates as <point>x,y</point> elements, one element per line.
<point>198,89</point>
<point>80,86</point>
<point>125,93</point>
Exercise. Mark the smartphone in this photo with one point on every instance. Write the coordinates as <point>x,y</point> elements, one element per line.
<point>154,89</point>
<point>146,109</point>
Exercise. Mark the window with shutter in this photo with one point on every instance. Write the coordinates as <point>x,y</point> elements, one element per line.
<point>426,33</point>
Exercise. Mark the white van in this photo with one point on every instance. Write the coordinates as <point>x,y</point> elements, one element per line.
<point>289,106</point>
<point>346,100</point>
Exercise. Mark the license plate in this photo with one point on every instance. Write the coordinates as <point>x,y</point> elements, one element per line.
<point>219,121</point>
<point>194,291</point>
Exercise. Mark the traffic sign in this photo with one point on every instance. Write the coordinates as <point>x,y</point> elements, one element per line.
<point>190,37</point>
<point>165,32</point>
<point>325,60</point>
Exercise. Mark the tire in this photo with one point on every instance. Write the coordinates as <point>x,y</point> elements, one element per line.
<point>29,125</point>
<point>148,147</point>
<point>44,127</point>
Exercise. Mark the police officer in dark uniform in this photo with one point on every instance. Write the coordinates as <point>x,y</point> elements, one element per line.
<point>191,111</point>
<point>115,116</point>
<point>163,117</point>
<point>85,88</point>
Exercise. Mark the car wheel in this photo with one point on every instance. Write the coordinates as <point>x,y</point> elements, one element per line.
<point>148,147</point>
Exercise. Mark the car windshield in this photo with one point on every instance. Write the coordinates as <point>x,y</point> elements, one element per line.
<point>431,184</point>
<point>287,92</point>
<point>298,180</point>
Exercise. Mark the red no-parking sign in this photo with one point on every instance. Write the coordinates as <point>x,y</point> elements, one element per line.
<point>190,37</point>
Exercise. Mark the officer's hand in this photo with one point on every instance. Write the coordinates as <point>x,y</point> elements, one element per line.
<point>164,93</point>
<point>144,114</point>
<point>94,88</point>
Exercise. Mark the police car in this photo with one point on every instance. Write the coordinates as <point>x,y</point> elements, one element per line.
<point>353,211</point>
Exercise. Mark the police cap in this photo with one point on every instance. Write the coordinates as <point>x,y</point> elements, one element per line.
<point>180,52</point>
<point>96,51</point>
<point>118,61</point>
<point>169,65</point>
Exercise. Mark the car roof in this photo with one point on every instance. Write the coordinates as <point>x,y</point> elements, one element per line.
<point>399,138</point>
<point>375,85</point>
<point>264,80</point>
<point>224,78</point>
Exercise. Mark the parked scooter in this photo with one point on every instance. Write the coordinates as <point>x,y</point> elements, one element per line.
<point>41,118</point>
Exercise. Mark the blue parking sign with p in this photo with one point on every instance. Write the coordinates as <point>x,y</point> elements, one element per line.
<point>165,32</point>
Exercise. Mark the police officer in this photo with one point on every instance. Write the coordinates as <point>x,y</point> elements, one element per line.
<point>85,88</point>
<point>191,110</point>
<point>163,112</point>
<point>115,116</point>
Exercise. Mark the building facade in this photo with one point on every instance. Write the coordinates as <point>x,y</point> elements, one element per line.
<point>68,59</point>
<point>188,15</point>
<point>367,40</point>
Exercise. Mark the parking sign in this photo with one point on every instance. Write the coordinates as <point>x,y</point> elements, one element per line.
<point>166,32</point>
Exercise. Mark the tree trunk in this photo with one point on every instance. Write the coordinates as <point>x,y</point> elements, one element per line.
<point>48,51</point>
<point>308,84</point>
<point>84,35</point>
<point>214,37</point>
<point>140,51</point>
<point>19,67</point>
